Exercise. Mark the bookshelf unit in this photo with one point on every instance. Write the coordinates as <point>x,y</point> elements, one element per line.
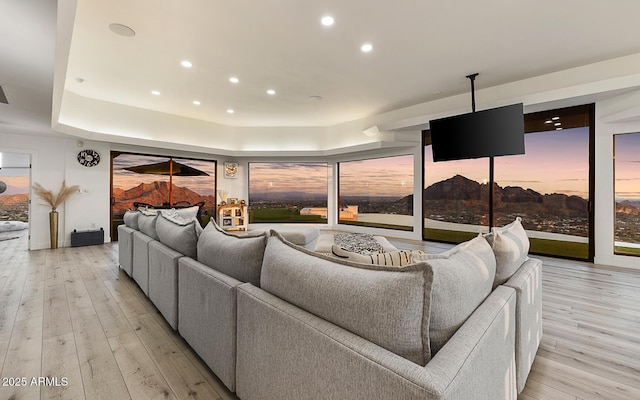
<point>233,217</point>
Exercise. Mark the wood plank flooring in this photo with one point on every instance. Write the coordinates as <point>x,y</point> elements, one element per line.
<point>71,313</point>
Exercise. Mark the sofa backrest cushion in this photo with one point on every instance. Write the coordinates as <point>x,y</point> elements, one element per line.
<point>462,279</point>
<point>385,305</point>
<point>239,257</point>
<point>130,219</point>
<point>147,223</point>
<point>180,234</point>
<point>510,245</point>
<point>188,212</point>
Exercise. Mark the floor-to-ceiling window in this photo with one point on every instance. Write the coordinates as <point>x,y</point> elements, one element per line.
<point>627,193</point>
<point>138,178</point>
<point>548,187</point>
<point>376,192</point>
<point>288,192</point>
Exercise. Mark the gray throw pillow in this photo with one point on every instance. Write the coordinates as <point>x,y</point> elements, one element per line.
<point>462,279</point>
<point>147,223</point>
<point>131,219</point>
<point>510,245</point>
<point>188,212</point>
<point>236,256</point>
<point>178,233</point>
<point>386,305</point>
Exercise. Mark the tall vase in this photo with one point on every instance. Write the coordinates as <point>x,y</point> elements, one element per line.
<point>53,229</point>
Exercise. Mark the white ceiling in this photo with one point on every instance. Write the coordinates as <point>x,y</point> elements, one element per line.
<point>422,51</point>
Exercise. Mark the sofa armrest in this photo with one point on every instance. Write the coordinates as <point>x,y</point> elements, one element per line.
<point>285,352</point>
<point>207,316</point>
<point>527,282</point>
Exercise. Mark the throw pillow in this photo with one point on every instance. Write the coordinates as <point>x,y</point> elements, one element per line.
<point>385,305</point>
<point>510,245</point>
<point>188,212</point>
<point>236,256</point>
<point>147,223</point>
<point>131,219</point>
<point>398,258</point>
<point>179,233</point>
<point>462,279</point>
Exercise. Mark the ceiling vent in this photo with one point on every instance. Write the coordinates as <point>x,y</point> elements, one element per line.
<point>3,97</point>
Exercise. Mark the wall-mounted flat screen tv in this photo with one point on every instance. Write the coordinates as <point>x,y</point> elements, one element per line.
<point>495,132</point>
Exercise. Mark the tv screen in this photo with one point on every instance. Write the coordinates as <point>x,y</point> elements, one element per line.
<point>495,132</point>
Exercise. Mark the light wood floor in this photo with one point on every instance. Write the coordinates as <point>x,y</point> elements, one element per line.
<point>71,313</point>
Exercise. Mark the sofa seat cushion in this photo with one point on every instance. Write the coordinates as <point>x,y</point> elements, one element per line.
<point>178,233</point>
<point>130,219</point>
<point>239,257</point>
<point>387,306</point>
<point>462,279</point>
<point>510,245</point>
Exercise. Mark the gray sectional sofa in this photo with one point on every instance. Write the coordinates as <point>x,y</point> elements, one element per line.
<point>274,320</point>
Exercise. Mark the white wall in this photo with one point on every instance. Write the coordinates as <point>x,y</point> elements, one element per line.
<point>53,160</point>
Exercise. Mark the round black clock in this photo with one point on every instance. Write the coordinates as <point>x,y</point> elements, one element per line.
<point>89,158</point>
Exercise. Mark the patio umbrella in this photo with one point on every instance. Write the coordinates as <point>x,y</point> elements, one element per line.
<point>170,168</point>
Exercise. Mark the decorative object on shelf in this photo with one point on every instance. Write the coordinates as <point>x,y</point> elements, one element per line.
<point>88,158</point>
<point>54,201</point>
<point>230,169</point>
<point>223,195</point>
<point>233,217</point>
<point>233,200</point>
<point>3,187</point>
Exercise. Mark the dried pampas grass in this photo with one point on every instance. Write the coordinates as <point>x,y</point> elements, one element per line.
<point>54,200</point>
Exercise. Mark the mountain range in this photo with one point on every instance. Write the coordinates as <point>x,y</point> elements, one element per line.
<point>157,193</point>
<point>508,198</point>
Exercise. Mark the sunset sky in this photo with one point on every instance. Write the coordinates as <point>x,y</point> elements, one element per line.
<point>627,166</point>
<point>390,176</point>
<point>277,177</point>
<point>555,162</point>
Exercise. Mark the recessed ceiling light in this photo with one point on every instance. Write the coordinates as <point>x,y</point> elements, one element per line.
<point>155,93</point>
<point>555,118</point>
<point>122,30</point>
<point>233,79</point>
<point>557,124</point>
<point>558,129</point>
<point>197,102</point>
<point>327,20</point>
<point>230,111</point>
<point>186,63</point>
<point>548,121</point>
<point>271,92</point>
<point>367,47</point>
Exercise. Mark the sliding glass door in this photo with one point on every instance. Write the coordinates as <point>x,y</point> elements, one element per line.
<point>549,187</point>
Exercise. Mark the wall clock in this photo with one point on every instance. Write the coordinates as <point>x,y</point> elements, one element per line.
<point>230,169</point>
<point>89,158</point>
